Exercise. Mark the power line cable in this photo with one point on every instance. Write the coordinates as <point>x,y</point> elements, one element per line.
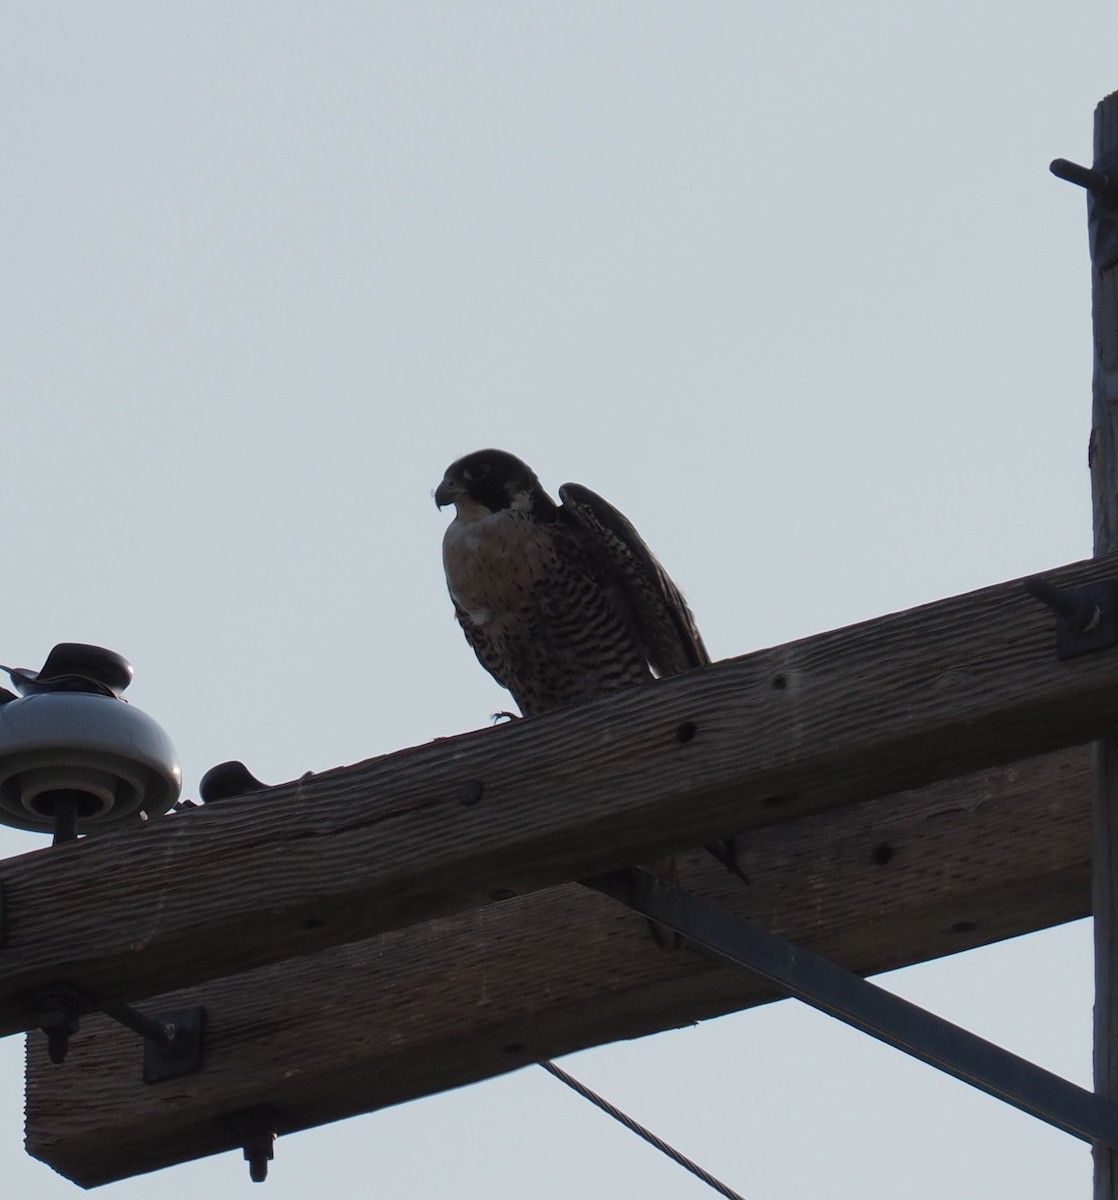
<point>639,1130</point>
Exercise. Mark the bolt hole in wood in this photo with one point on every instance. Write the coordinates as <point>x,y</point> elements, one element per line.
<point>882,854</point>
<point>686,732</point>
<point>779,683</point>
<point>470,793</point>
<point>313,923</point>
<point>964,927</point>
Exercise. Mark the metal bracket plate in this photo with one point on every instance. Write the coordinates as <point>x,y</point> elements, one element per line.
<point>1071,640</point>
<point>184,1054</point>
<point>1086,617</point>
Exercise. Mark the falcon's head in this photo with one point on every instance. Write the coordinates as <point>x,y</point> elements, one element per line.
<point>489,481</point>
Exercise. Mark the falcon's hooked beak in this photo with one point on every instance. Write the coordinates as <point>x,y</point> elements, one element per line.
<point>447,492</point>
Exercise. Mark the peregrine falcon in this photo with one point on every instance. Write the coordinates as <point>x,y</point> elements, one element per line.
<point>560,602</point>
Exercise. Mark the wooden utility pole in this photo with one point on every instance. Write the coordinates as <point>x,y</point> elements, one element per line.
<point>1103,229</point>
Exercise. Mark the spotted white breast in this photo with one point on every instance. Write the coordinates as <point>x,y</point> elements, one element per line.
<point>496,562</point>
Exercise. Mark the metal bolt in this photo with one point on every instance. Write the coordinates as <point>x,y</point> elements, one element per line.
<point>1084,177</point>
<point>254,1130</point>
<point>59,1021</point>
<point>67,806</point>
<point>259,1151</point>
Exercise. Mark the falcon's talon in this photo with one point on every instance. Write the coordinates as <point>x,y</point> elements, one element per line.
<point>499,717</point>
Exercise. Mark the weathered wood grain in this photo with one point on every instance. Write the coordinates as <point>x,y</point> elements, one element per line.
<point>857,713</point>
<point>875,885</point>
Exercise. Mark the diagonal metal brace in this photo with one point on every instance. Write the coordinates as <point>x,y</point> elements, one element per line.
<point>172,1040</point>
<point>841,993</point>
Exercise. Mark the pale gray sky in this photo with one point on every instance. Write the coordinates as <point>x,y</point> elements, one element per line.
<point>788,283</point>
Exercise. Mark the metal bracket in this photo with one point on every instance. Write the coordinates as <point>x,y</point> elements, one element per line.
<point>172,1040</point>
<point>840,993</point>
<point>1086,617</point>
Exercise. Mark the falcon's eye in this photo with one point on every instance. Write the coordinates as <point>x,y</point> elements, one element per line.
<point>473,474</point>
